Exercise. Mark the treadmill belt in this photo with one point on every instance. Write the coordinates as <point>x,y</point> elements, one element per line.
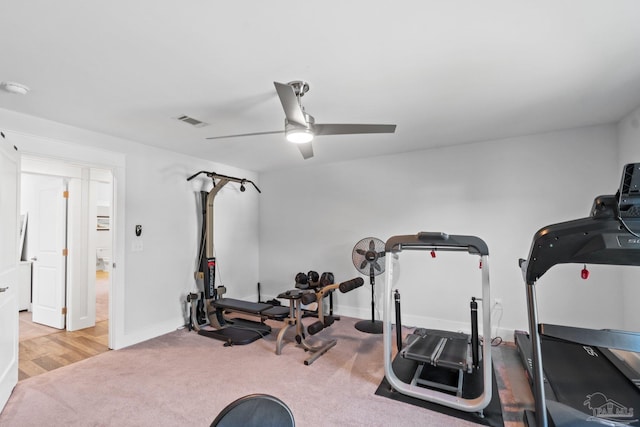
<point>583,378</point>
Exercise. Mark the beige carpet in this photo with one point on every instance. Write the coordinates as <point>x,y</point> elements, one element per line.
<point>185,379</point>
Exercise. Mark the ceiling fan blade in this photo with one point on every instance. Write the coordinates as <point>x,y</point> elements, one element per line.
<point>306,149</point>
<point>246,134</point>
<point>345,129</point>
<point>289,101</point>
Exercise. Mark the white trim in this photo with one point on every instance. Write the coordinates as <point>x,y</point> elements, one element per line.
<point>154,331</point>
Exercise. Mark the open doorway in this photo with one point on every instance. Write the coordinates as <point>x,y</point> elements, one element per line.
<point>67,259</point>
<point>103,247</point>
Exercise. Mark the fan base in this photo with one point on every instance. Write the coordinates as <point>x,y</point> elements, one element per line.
<point>369,326</point>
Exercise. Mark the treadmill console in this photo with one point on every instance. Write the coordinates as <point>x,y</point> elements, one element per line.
<point>629,193</point>
<point>626,202</point>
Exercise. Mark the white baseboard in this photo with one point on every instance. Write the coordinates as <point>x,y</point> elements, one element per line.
<point>135,337</point>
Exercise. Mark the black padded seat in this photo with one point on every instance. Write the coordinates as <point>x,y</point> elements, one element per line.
<point>278,312</point>
<point>255,308</point>
<point>240,305</point>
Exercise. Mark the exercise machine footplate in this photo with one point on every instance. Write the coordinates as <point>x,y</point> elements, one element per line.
<point>439,348</point>
<point>238,332</point>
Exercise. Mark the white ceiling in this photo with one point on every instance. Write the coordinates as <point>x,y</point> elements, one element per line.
<point>445,72</point>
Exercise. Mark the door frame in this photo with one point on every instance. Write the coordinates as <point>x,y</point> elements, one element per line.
<point>80,233</point>
<point>79,147</point>
<point>9,280</point>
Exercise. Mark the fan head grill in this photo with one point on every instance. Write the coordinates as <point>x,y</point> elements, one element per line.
<point>367,256</point>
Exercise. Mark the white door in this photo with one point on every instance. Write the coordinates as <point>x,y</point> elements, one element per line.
<point>49,226</point>
<point>9,184</point>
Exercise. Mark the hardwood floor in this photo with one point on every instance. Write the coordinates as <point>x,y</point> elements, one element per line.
<point>43,349</point>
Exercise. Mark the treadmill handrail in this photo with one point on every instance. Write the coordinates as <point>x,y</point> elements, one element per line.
<point>621,340</point>
<point>591,240</point>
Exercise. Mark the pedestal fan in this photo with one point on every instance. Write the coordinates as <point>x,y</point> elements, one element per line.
<point>368,258</point>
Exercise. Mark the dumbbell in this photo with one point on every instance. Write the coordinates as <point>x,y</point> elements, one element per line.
<point>302,281</point>
<point>326,279</point>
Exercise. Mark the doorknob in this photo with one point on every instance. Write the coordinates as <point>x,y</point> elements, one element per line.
<point>4,289</point>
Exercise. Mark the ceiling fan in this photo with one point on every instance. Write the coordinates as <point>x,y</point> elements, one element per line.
<point>300,127</point>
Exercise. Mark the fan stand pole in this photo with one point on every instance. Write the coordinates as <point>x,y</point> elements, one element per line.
<point>372,326</point>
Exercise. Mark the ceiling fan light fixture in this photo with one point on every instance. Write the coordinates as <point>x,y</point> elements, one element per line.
<point>299,136</point>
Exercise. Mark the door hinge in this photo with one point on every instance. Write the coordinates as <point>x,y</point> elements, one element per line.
<point>65,252</point>
<point>64,311</point>
<point>65,194</point>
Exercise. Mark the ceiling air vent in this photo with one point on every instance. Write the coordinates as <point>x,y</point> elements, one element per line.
<point>193,122</point>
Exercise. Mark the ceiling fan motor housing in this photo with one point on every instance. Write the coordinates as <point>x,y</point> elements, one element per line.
<point>299,87</point>
<point>309,122</point>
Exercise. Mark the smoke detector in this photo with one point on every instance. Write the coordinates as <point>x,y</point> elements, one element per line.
<point>13,87</point>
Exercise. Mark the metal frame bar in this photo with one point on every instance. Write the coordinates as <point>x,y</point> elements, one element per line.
<point>468,405</point>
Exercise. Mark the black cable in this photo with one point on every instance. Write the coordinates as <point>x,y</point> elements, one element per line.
<point>626,227</point>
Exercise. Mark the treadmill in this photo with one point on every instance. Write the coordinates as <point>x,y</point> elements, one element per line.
<point>584,376</point>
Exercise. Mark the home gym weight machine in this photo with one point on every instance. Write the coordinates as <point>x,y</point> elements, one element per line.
<point>584,379</point>
<point>433,349</point>
<point>208,309</point>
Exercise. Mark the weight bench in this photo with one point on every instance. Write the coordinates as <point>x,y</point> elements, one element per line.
<point>264,310</point>
<point>237,330</point>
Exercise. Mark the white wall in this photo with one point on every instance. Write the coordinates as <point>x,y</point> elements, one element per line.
<point>502,191</point>
<point>629,146</point>
<point>149,287</point>
<point>309,218</point>
<point>159,198</point>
